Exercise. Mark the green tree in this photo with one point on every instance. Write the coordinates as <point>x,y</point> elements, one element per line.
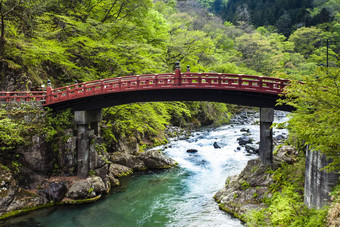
<point>317,117</point>
<point>306,40</point>
<point>6,7</point>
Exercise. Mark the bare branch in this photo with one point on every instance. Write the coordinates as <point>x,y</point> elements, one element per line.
<point>5,14</point>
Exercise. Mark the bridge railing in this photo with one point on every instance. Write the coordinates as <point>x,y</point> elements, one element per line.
<point>22,96</point>
<point>175,80</point>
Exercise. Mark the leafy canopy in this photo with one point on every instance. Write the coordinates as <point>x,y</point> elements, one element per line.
<point>317,117</point>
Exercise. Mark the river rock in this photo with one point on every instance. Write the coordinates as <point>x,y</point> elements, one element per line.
<point>119,170</point>
<point>192,151</point>
<point>28,179</point>
<point>244,140</point>
<point>279,139</point>
<point>287,154</point>
<point>116,171</point>
<point>156,160</point>
<point>244,130</point>
<point>216,146</point>
<point>102,172</point>
<point>128,160</point>
<point>252,149</point>
<point>56,191</point>
<point>86,188</point>
<point>26,199</point>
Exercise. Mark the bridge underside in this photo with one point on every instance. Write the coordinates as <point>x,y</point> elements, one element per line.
<point>224,96</point>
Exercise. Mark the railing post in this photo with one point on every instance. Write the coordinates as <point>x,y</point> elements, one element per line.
<point>188,68</point>
<point>102,86</point>
<point>67,91</point>
<point>240,81</point>
<point>178,74</point>
<point>8,97</point>
<point>282,85</point>
<point>260,84</point>
<point>48,92</point>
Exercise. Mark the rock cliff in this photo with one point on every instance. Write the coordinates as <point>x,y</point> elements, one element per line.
<point>248,190</point>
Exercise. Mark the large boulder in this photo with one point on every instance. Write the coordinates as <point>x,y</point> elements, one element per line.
<point>286,154</point>
<point>28,179</point>
<point>56,191</point>
<point>117,170</point>
<point>156,160</point>
<point>128,160</point>
<point>246,191</point>
<point>243,140</point>
<point>252,148</point>
<point>86,188</point>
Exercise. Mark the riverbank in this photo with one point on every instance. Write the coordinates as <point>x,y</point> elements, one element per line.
<point>250,189</point>
<point>274,196</point>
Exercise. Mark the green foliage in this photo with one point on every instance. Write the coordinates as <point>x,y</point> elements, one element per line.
<point>317,116</point>
<point>10,133</point>
<point>16,124</point>
<point>245,185</point>
<point>138,120</point>
<point>286,207</point>
<point>289,174</point>
<point>56,123</point>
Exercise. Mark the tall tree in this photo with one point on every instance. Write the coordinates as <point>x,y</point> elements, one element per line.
<point>6,7</point>
<point>317,116</point>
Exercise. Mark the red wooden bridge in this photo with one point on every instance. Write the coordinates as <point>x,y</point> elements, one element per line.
<point>229,88</point>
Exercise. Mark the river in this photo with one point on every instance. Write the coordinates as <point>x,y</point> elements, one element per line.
<point>181,196</point>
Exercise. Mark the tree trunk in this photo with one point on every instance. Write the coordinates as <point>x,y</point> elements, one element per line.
<point>2,37</point>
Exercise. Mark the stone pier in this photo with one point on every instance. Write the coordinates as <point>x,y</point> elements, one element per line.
<point>88,123</point>
<point>266,135</point>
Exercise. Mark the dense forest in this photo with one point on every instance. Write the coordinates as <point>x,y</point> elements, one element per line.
<point>86,40</point>
<point>283,16</point>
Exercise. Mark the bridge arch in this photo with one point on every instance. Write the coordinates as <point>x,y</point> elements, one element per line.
<point>238,89</point>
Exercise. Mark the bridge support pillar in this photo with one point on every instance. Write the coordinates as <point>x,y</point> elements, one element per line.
<point>83,151</point>
<point>84,119</point>
<point>266,135</point>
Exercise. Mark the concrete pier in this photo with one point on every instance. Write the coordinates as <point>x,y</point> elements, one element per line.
<point>266,135</point>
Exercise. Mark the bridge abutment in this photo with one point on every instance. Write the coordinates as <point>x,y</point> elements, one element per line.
<point>88,123</point>
<point>266,135</point>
